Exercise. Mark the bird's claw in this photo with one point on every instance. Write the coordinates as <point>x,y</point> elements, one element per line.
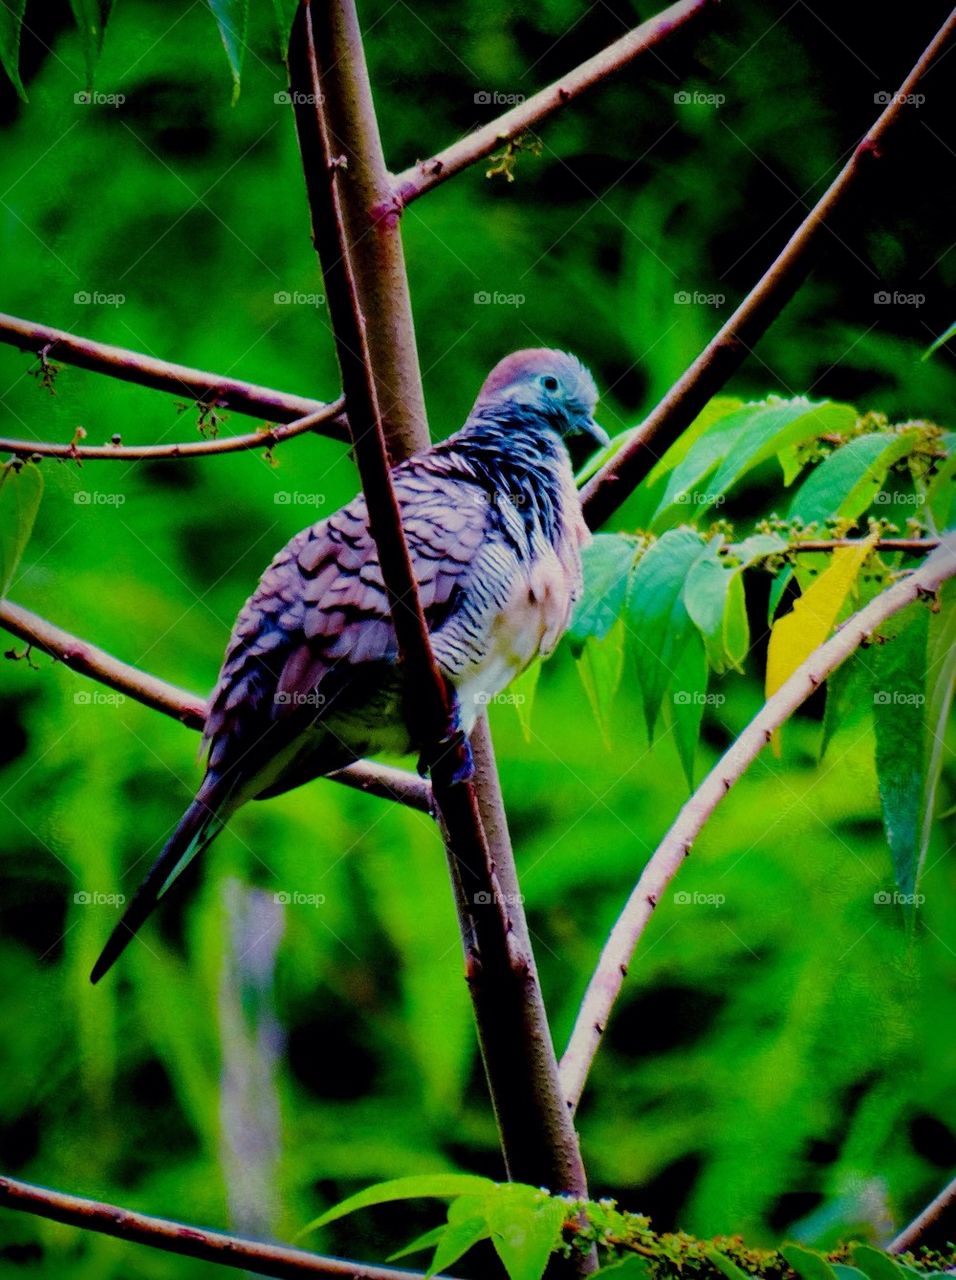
<point>453,762</point>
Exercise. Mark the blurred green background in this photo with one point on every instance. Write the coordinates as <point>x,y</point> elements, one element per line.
<point>779,1065</point>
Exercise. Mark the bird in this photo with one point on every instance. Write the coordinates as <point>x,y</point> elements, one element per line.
<point>311,679</point>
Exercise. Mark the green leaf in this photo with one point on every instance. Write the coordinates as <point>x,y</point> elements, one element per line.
<point>941,490</point>
<point>91,17</point>
<point>606,561</point>
<point>940,682</point>
<point>807,1264</point>
<point>420,1243</point>
<point>943,338</point>
<point>714,596</point>
<point>658,624</point>
<point>285,11</point>
<point>21,487</point>
<point>11,23</point>
<point>411,1188</point>
<point>522,691</point>
<point>713,411</point>
<point>525,1229</point>
<point>632,1268</point>
<point>846,483</point>
<point>848,698</point>
<point>688,694</point>
<point>740,441</point>
<point>232,18</point>
<point>600,664</point>
<point>457,1238</point>
<point>726,1265</point>
<point>843,1272</point>
<point>898,675</point>
<point>878,1265</point>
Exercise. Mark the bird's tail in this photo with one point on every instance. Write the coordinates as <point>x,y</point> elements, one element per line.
<point>198,826</point>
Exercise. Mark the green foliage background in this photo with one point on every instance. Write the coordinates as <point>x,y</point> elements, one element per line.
<point>779,1064</point>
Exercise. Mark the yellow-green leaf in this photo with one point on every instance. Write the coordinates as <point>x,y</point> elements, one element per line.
<point>21,487</point>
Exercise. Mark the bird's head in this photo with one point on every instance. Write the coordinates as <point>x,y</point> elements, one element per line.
<point>544,387</point>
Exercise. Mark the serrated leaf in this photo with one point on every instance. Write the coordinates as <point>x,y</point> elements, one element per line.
<point>525,1229</point>
<point>21,488</point>
<point>878,1265</point>
<point>657,621</point>
<point>898,678</point>
<point>522,691</point>
<point>726,1265</point>
<point>847,481</point>
<point>740,441</point>
<point>688,696</point>
<point>807,1264</point>
<point>600,664</point>
<point>11,24</point>
<point>285,11</point>
<point>232,19</point>
<point>606,562</point>
<point>91,17</point>
<point>795,636</point>
<point>414,1187</point>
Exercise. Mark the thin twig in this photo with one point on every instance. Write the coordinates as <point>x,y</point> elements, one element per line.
<point>426,174</point>
<point>916,546</point>
<point>940,1211</point>
<point>664,863</point>
<point>725,353</point>
<point>357,231</point>
<point>211,389</point>
<point>265,438</point>
<point>188,708</point>
<point>188,1241</point>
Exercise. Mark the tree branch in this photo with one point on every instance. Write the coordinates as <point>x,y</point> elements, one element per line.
<point>265,438</point>
<point>915,546</point>
<point>936,1214</point>
<point>188,708</point>
<point>178,379</point>
<point>664,863</point>
<point>188,1241</point>
<point>426,174</point>
<point>355,225</point>
<point>725,353</point>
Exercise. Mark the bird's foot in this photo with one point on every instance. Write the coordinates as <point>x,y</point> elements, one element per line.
<point>452,763</point>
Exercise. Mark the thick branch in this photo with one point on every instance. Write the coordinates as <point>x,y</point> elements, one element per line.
<point>189,708</point>
<point>664,863</point>
<point>725,353</point>
<point>426,174</point>
<point>263,439</point>
<point>190,1242</point>
<point>939,1214</point>
<point>178,379</point>
<point>355,226</point>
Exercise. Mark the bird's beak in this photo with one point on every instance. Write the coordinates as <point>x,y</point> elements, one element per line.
<point>596,433</point>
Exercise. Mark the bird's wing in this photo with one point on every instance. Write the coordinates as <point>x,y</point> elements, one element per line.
<point>322,606</point>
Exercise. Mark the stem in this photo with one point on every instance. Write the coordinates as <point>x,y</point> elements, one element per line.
<point>726,352</point>
<point>426,174</point>
<point>178,379</point>
<point>935,1214</point>
<point>664,863</point>
<point>913,545</point>
<point>355,223</point>
<point>263,439</point>
<point>191,1242</point>
<point>188,708</point>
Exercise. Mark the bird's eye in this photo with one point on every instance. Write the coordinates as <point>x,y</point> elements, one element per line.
<point>549,382</point>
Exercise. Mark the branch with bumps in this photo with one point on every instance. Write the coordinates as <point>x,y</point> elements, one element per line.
<point>666,861</point>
